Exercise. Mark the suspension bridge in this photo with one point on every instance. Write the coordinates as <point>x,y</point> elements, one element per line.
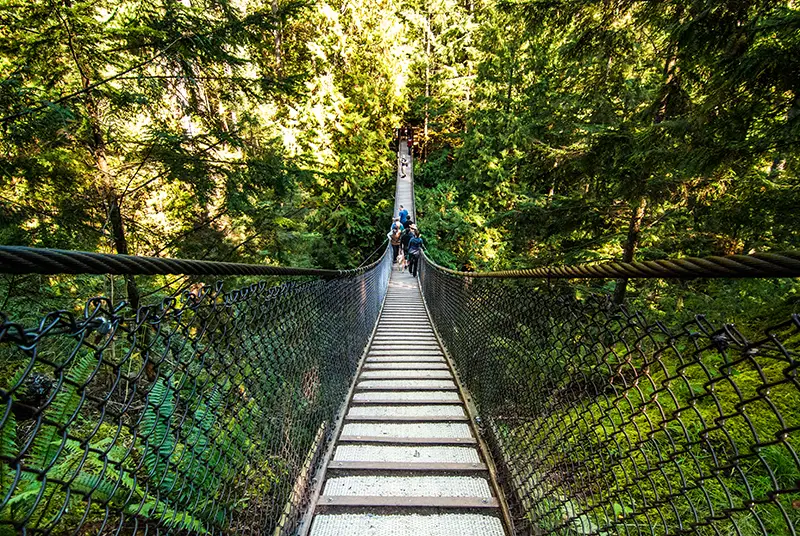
<point>368,401</point>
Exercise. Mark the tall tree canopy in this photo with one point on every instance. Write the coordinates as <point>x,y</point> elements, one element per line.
<point>547,131</point>
<point>613,130</point>
<point>260,131</point>
<point>213,129</point>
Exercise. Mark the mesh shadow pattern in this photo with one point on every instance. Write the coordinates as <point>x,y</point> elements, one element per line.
<point>199,415</point>
<point>603,422</point>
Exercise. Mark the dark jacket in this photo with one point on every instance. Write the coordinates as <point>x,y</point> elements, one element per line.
<point>406,239</point>
<point>415,244</point>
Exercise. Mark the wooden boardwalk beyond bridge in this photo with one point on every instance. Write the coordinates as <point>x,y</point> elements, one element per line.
<point>406,461</point>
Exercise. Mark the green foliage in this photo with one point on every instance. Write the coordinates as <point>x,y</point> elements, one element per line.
<point>618,423</point>
<point>188,468</point>
<point>577,113</point>
<point>8,451</point>
<point>237,131</point>
<point>251,132</point>
<point>575,131</point>
<point>193,465</point>
<point>62,411</point>
<point>158,435</point>
<point>52,452</point>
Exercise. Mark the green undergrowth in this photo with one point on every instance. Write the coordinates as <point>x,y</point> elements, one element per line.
<point>611,424</point>
<point>175,423</point>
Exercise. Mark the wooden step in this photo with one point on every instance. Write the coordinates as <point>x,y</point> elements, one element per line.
<point>463,503</point>
<point>390,402</point>
<point>383,346</point>
<point>399,374</point>
<point>409,467</point>
<point>339,522</point>
<point>407,418</point>
<point>393,463</point>
<point>407,351</point>
<point>373,359</point>
<point>407,365</point>
<point>409,440</point>
<point>445,385</point>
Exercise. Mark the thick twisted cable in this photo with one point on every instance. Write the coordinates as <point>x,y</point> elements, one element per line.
<point>779,264</point>
<point>25,260</point>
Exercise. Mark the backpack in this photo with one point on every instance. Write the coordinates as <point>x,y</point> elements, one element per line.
<point>415,247</point>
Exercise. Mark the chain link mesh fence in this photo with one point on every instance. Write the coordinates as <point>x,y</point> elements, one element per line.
<point>200,415</point>
<point>604,422</point>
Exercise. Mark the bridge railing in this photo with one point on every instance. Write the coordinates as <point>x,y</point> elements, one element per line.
<point>603,421</point>
<point>201,414</point>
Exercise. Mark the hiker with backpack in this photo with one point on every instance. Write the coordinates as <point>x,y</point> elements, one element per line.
<point>396,225</point>
<point>395,237</point>
<point>407,236</point>
<point>415,246</point>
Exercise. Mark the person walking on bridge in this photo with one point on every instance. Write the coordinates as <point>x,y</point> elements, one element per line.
<point>396,238</point>
<point>403,214</point>
<point>395,225</point>
<point>415,246</point>
<point>407,236</point>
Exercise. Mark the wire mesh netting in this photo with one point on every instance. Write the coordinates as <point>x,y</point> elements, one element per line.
<point>603,422</point>
<point>199,415</point>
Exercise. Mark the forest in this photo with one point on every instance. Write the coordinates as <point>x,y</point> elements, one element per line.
<point>546,132</point>
<point>219,130</point>
<point>573,132</point>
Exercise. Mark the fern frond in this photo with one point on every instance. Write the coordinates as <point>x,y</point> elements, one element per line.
<point>157,433</point>
<point>99,486</point>
<point>70,459</point>
<point>116,458</point>
<point>62,410</point>
<point>171,518</point>
<point>22,504</point>
<point>8,450</point>
<point>8,439</point>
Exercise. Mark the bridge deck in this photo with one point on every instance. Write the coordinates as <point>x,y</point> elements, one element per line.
<point>406,461</point>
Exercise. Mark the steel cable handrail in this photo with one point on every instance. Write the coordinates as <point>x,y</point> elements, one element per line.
<point>777,264</point>
<point>202,413</point>
<point>28,260</point>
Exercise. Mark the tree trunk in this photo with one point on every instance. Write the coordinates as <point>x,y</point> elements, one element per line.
<point>671,86</point>
<point>112,201</point>
<point>672,72</point>
<point>628,250</point>
<point>234,118</point>
<point>97,146</point>
<point>467,107</point>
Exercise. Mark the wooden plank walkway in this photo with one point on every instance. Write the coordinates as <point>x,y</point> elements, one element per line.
<point>406,461</point>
